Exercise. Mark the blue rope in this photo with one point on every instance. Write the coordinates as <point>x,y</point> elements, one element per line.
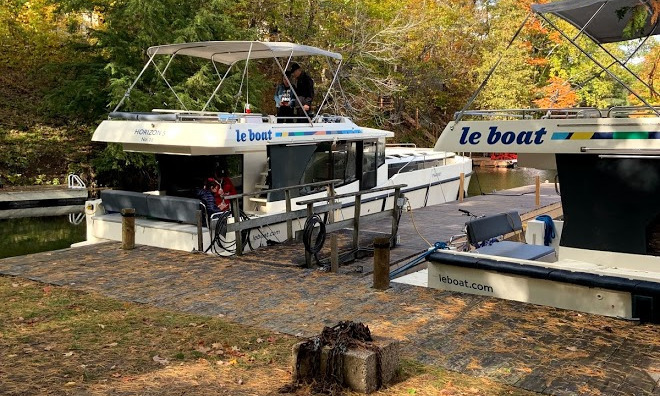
<point>549,232</point>
<point>418,259</point>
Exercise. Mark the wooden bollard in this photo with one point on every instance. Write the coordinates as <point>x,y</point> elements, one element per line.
<point>128,228</point>
<point>200,237</point>
<point>461,187</point>
<point>538,191</point>
<point>334,254</point>
<point>382,263</point>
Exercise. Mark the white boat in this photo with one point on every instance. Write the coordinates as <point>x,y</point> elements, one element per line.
<point>608,164</point>
<point>260,153</point>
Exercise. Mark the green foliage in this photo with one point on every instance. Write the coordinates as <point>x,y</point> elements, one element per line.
<point>637,23</point>
<point>68,63</point>
<point>126,170</point>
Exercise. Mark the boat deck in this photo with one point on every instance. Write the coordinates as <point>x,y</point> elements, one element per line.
<point>541,349</point>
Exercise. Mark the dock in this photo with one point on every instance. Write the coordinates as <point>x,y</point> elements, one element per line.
<point>41,196</point>
<point>540,349</point>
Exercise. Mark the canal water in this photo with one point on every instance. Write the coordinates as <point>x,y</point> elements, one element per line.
<point>39,234</point>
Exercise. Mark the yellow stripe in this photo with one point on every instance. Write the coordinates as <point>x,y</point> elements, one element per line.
<point>582,135</point>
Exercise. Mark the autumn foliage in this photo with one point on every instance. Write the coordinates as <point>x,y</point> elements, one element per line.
<point>557,94</point>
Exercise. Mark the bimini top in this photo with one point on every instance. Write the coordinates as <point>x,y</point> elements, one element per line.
<point>229,52</point>
<point>606,26</point>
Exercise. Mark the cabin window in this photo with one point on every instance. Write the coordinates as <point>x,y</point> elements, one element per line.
<point>380,156</point>
<point>302,164</point>
<point>369,169</point>
<point>409,166</point>
<point>331,161</point>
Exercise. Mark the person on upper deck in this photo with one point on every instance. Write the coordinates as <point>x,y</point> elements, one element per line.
<point>305,90</point>
<point>284,99</point>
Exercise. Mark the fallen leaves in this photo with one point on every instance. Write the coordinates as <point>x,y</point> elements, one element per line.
<point>160,360</point>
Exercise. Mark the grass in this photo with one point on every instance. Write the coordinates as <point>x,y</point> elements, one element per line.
<point>60,341</point>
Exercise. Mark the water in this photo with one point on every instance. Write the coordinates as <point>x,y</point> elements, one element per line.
<point>485,180</point>
<point>38,234</point>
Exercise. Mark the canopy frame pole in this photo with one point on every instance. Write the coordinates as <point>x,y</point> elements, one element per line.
<point>169,62</point>
<point>128,91</point>
<point>247,89</point>
<point>490,72</point>
<point>616,60</point>
<point>588,55</point>
<point>625,62</point>
<point>222,79</point>
<point>327,94</point>
<point>167,82</point>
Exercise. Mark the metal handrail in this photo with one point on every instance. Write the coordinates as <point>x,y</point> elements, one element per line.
<point>534,113</point>
<point>352,194</point>
<point>314,184</point>
<point>632,110</point>
<point>74,181</point>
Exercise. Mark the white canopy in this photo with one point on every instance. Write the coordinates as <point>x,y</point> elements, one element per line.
<point>229,52</point>
<point>606,27</point>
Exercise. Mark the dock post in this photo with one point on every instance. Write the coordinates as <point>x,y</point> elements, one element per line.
<point>334,254</point>
<point>236,212</point>
<point>461,188</point>
<point>200,237</point>
<point>382,263</point>
<point>395,215</point>
<point>289,222</point>
<point>308,255</point>
<point>128,228</point>
<point>538,191</point>
<point>356,221</point>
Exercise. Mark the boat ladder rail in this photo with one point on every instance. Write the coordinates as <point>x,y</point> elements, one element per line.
<point>74,181</point>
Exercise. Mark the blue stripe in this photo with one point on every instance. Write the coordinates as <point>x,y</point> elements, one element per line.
<point>561,135</point>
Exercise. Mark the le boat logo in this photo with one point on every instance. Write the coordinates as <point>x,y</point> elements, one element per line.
<point>147,135</point>
<point>253,136</point>
<point>508,137</point>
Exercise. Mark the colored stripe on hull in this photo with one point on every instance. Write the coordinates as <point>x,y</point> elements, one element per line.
<point>606,135</point>
<point>316,133</point>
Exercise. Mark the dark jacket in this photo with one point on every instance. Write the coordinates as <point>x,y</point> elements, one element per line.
<point>208,199</point>
<point>305,89</point>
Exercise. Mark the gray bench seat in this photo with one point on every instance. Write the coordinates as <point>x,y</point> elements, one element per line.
<point>486,228</point>
<point>163,207</point>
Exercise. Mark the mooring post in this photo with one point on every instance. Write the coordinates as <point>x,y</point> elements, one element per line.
<point>382,263</point>
<point>308,255</point>
<point>200,236</point>
<point>395,215</point>
<point>289,222</point>
<point>128,228</point>
<point>356,221</point>
<point>538,191</point>
<point>236,212</point>
<point>334,254</point>
<point>461,188</point>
